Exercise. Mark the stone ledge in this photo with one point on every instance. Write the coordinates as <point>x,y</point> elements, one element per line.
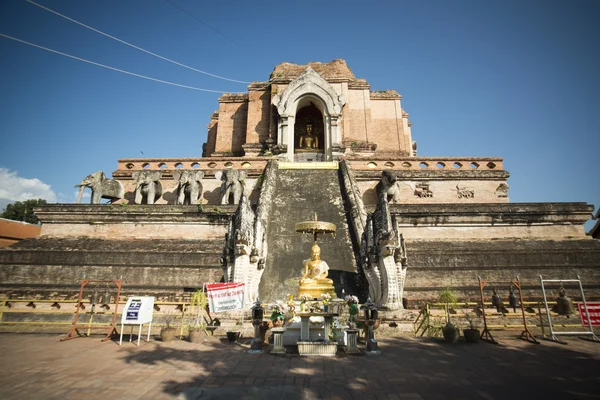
<point>233,98</point>
<point>132,213</point>
<point>385,94</point>
<point>490,214</point>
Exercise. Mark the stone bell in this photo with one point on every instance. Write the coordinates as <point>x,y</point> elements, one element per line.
<point>564,305</point>
<point>94,297</point>
<point>496,302</point>
<point>107,296</point>
<point>512,299</point>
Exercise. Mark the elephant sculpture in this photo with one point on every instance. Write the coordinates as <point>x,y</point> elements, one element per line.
<point>102,188</point>
<point>232,185</point>
<point>148,188</point>
<point>388,186</point>
<point>189,189</point>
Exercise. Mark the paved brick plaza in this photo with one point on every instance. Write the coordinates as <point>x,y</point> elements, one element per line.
<point>40,367</point>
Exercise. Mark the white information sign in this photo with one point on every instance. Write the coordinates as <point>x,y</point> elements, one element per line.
<point>138,311</point>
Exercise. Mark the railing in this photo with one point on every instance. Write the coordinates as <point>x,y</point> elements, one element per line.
<point>430,323</point>
<point>427,163</point>
<point>136,164</point>
<point>55,307</point>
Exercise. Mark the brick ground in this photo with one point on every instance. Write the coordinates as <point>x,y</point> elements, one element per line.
<point>40,367</point>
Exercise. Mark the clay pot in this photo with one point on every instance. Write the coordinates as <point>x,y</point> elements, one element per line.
<point>168,334</point>
<point>233,336</point>
<point>195,336</point>
<point>471,335</point>
<point>450,333</point>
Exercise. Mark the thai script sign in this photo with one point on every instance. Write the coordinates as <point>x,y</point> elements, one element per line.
<point>593,310</point>
<point>225,296</point>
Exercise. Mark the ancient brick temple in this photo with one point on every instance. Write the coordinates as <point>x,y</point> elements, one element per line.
<point>311,139</point>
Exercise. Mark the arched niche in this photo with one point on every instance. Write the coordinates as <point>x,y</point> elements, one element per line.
<point>309,89</point>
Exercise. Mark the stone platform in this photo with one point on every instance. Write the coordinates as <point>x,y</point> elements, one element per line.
<point>408,368</point>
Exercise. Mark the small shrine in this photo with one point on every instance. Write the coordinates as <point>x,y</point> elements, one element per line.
<point>315,282</point>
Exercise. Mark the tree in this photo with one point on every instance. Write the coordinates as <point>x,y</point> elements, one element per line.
<point>23,210</point>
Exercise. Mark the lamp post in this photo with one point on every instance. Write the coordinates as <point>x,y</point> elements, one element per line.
<point>371,314</point>
<point>258,313</point>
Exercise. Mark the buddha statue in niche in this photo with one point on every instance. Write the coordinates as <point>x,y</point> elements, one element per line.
<point>309,140</point>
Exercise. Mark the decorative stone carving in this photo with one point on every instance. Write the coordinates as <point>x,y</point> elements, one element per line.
<point>502,190</point>
<point>102,188</point>
<point>252,149</point>
<point>148,188</point>
<point>237,263</point>
<point>309,85</point>
<point>232,186</point>
<point>245,247</point>
<point>422,190</point>
<point>309,81</point>
<point>464,192</point>
<point>388,184</point>
<point>279,149</point>
<point>383,256</point>
<point>189,188</point>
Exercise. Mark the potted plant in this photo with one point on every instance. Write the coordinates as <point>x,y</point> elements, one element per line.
<point>277,316</point>
<point>449,331</point>
<point>168,332</point>
<point>448,297</point>
<point>233,335</point>
<point>197,303</point>
<point>471,334</point>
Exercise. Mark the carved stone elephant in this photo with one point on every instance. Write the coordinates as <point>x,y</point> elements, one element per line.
<point>102,188</point>
<point>148,188</point>
<point>189,189</point>
<point>388,185</point>
<point>232,186</point>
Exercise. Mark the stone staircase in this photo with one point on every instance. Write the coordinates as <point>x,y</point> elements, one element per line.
<point>299,194</point>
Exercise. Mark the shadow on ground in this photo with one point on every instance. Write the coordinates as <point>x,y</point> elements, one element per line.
<point>407,368</point>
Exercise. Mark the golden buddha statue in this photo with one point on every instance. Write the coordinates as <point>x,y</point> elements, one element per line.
<point>308,140</point>
<point>315,281</point>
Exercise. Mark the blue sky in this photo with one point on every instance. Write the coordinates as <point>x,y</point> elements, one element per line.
<point>514,79</point>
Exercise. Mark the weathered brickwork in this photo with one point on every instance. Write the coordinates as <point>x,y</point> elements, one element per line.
<point>366,116</point>
<point>357,116</point>
<point>231,131</point>
<point>257,129</point>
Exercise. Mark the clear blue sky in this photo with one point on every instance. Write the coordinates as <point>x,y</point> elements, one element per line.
<point>515,79</point>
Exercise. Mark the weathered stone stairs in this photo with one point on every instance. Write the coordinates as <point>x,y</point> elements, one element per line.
<point>299,194</point>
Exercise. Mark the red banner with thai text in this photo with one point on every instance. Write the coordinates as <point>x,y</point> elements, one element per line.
<point>593,310</point>
<point>225,296</point>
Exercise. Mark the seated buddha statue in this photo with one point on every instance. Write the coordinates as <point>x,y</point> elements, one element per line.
<point>308,140</point>
<point>315,281</point>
